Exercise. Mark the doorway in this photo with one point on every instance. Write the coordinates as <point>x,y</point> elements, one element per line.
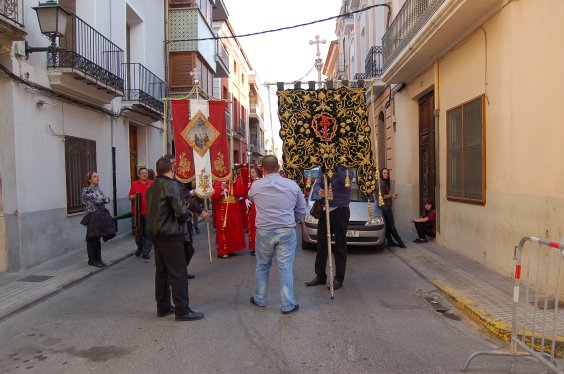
<point>427,171</point>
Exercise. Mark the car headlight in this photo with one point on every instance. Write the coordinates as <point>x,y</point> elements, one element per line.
<point>310,219</point>
<point>374,220</point>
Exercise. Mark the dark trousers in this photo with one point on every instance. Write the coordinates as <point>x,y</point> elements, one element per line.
<point>94,248</point>
<point>390,224</point>
<point>339,221</point>
<point>170,273</point>
<point>424,228</point>
<point>142,239</point>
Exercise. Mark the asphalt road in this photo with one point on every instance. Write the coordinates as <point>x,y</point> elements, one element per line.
<point>379,322</point>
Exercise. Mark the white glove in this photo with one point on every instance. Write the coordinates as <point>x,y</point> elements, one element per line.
<point>248,203</point>
<point>225,194</point>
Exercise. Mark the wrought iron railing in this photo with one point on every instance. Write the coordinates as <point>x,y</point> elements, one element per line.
<point>359,76</point>
<point>88,51</point>
<point>12,10</point>
<point>410,19</point>
<point>373,62</point>
<point>222,53</point>
<point>143,86</point>
<point>241,128</point>
<point>254,142</point>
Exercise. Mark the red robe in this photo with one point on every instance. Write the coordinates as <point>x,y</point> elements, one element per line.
<point>229,230</point>
<point>251,218</point>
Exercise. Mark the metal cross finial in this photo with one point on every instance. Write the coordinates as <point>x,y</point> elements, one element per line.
<point>318,60</point>
<point>318,42</point>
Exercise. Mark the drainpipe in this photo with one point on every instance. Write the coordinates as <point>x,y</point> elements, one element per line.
<point>437,161</point>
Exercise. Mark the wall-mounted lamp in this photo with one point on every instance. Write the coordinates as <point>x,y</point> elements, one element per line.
<point>53,24</point>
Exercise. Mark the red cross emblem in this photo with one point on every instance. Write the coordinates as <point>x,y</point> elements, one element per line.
<point>325,126</point>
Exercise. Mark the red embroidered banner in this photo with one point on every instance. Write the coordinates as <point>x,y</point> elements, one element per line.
<point>183,151</point>
<point>219,150</point>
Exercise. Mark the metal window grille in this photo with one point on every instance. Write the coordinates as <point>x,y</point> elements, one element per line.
<point>80,159</point>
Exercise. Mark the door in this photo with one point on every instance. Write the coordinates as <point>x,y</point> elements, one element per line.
<point>133,153</point>
<point>427,170</point>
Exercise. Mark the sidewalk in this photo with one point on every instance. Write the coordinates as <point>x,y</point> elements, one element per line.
<point>482,295</point>
<point>19,290</point>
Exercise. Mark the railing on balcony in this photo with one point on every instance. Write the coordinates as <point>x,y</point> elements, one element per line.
<point>143,86</point>
<point>90,52</point>
<point>373,62</point>
<point>255,144</point>
<point>241,128</point>
<point>410,19</point>
<point>12,10</point>
<point>222,53</point>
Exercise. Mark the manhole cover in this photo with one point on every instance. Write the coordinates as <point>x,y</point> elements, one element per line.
<point>36,278</point>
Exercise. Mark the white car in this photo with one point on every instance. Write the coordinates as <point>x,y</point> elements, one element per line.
<point>362,230</point>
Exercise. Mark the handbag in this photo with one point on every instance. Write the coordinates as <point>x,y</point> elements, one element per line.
<point>317,208</point>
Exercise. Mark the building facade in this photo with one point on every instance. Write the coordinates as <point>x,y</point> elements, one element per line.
<point>94,102</point>
<point>471,121</point>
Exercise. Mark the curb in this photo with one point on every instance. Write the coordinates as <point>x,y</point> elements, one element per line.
<point>493,325</point>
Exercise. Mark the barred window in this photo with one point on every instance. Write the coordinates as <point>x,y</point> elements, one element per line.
<point>80,159</point>
<point>466,153</point>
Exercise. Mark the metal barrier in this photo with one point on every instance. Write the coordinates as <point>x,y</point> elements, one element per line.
<point>537,317</point>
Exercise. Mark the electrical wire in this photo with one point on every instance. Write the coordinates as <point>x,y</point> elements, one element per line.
<point>281,28</point>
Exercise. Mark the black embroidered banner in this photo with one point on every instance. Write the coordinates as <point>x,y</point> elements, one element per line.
<point>326,127</point>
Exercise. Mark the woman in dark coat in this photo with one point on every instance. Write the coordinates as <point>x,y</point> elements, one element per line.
<point>98,221</point>
<point>387,210</point>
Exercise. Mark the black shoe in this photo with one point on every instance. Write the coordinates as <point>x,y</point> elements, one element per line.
<point>102,262</point>
<point>146,257</point>
<point>138,252</point>
<point>401,245</point>
<point>190,316</point>
<point>196,230</point>
<point>392,244</point>
<point>315,282</point>
<point>253,253</point>
<point>191,276</point>
<point>252,300</point>
<point>420,240</point>
<point>95,263</point>
<point>296,308</point>
<point>336,284</point>
<point>165,311</point>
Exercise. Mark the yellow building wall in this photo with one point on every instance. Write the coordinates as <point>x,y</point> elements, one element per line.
<point>516,59</point>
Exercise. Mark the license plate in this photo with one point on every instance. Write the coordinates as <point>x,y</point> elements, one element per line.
<point>352,233</point>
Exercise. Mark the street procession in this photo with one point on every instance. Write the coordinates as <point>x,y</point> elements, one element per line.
<point>336,186</point>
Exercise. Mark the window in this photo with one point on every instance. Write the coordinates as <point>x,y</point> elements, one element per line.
<point>466,152</point>
<point>80,159</point>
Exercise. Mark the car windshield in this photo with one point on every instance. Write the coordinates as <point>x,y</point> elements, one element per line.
<point>356,194</point>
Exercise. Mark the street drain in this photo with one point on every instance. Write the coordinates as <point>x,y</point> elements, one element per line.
<point>36,278</point>
<point>436,304</point>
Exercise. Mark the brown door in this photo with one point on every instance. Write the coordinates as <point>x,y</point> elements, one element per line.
<point>427,170</point>
<point>133,152</point>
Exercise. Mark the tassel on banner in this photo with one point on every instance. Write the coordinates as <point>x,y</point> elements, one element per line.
<point>347,180</point>
<point>330,193</point>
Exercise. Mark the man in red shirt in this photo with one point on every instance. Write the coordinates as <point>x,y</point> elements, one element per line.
<point>142,238</point>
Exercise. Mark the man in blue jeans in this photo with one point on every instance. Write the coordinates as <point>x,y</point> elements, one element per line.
<point>280,206</point>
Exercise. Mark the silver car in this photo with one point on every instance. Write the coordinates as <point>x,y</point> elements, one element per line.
<point>362,230</point>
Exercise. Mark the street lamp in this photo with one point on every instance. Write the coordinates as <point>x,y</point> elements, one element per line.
<point>53,24</point>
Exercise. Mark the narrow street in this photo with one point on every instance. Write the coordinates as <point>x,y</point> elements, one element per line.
<point>379,322</point>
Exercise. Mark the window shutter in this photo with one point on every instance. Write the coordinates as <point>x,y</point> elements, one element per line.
<point>181,63</point>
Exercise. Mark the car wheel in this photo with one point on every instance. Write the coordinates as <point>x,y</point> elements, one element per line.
<point>306,245</point>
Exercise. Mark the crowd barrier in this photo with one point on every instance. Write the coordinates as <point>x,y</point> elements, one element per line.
<point>537,324</point>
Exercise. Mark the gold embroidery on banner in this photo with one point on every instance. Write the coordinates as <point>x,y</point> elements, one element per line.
<point>184,165</point>
<point>326,127</point>
<point>219,164</point>
<point>204,189</point>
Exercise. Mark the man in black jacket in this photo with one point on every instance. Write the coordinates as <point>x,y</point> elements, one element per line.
<point>166,223</point>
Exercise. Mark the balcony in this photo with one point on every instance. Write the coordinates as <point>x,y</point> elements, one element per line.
<point>219,11</point>
<point>143,90</point>
<point>221,61</point>
<point>11,24</point>
<point>89,67</point>
<point>425,29</point>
